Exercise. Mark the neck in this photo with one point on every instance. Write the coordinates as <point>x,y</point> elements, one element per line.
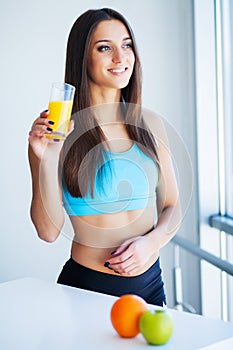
<point>101,94</point>
<point>107,113</point>
<point>106,104</point>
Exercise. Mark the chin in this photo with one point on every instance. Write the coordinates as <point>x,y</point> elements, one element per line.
<point>121,85</point>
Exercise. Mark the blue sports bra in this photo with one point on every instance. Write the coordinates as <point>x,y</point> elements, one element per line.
<point>129,182</point>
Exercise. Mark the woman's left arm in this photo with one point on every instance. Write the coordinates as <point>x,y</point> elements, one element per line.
<point>135,253</point>
<point>168,201</point>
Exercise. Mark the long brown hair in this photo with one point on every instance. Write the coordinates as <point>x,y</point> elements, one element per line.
<point>79,162</point>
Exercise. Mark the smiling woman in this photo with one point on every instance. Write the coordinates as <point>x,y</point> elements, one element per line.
<point>111,56</point>
<point>113,174</point>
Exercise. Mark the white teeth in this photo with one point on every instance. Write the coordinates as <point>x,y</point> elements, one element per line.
<point>117,70</point>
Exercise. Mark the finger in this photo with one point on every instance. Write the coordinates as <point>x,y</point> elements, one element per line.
<point>125,245</point>
<point>132,270</point>
<point>126,269</point>
<point>39,128</point>
<point>42,121</point>
<point>39,132</point>
<point>114,262</point>
<point>123,252</point>
<point>122,247</point>
<point>119,250</point>
<point>44,118</point>
<point>44,114</point>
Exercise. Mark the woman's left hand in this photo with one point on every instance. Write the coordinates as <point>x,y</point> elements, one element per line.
<point>132,256</point>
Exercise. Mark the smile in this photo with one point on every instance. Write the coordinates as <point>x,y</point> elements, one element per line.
<point>117,71</point>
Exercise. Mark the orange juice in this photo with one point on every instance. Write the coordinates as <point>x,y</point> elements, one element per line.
<point>59,113</point>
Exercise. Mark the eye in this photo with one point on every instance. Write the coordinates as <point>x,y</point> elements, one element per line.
<point>128,46</point>
<point>104,48</point>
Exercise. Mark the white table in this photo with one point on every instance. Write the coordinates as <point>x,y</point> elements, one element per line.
<point>39,315</point>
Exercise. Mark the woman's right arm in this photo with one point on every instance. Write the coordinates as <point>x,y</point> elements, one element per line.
<point>46,206</point>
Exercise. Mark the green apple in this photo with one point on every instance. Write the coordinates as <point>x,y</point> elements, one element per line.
<point>156,326</point>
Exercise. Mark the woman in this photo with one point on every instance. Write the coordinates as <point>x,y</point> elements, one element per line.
<point>113,174</point>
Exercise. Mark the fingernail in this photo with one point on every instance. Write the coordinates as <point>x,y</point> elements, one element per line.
<point>114,252</point>
<point>51,122</point>
<point>106,264</point>
<point>56,140</point>
<point>45,111</point>
<point>49,129</point>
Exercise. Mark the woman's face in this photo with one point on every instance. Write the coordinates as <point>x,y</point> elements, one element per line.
<point>111,57</point>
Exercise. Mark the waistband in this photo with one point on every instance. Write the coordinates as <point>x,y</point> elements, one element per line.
<point>148,285</point>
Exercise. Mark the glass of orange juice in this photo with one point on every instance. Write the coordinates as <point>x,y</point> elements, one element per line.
<point>60,108</point>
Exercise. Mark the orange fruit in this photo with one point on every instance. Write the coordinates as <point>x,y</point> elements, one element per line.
<point>125,314</point>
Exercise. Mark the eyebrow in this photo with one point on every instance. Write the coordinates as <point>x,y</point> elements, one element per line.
<point>108,41</point>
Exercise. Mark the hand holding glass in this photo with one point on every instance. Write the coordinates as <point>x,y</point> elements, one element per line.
<point>60,108</point>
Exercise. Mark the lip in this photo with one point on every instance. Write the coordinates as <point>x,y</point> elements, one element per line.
<point>118,71</point>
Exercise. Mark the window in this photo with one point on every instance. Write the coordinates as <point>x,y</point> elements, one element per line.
<point>214,73</point>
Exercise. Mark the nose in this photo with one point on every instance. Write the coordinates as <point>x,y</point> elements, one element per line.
<point>117,55</point>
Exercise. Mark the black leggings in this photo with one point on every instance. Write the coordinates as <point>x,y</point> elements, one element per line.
<point>148,285</point>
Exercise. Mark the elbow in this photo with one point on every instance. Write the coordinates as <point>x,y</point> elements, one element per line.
<point>47,232</point>
<point>48,227</point>
<point>48,236</point>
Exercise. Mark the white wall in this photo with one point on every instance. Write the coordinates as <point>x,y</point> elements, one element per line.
<point>33,40</point>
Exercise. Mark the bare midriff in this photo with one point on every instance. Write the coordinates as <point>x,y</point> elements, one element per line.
<point>97,236</point>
